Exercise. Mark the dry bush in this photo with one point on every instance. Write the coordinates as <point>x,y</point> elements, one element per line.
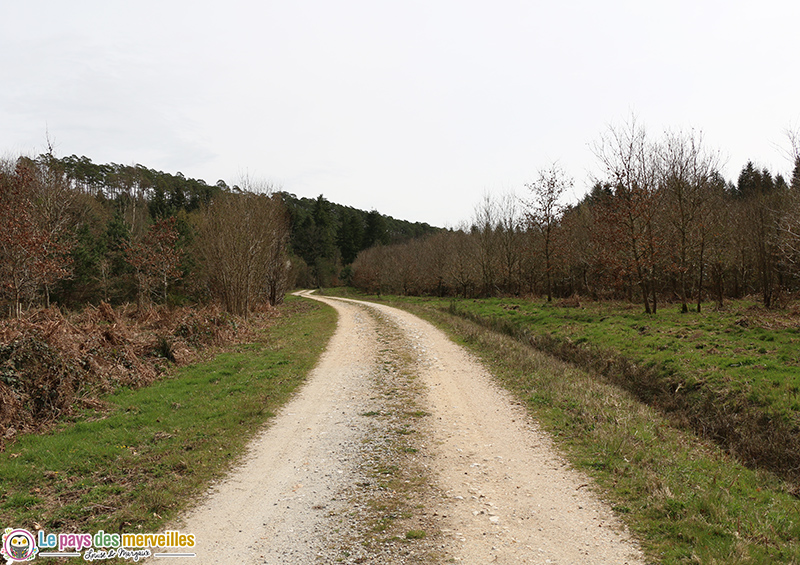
<point>50,362</point>
<point>573,301</point>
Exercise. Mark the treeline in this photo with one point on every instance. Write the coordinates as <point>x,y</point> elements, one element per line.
<point>662,224</point>
<point>327,237</point>
<point>75,232</point>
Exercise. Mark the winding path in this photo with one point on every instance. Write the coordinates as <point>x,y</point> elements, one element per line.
<point>496,491</point>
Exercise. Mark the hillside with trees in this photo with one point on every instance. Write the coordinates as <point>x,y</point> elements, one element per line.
<point>327,237</point>
<point>74,232</point>
<point>660,225</point>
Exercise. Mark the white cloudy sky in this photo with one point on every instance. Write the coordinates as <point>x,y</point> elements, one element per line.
<point>415,107</point>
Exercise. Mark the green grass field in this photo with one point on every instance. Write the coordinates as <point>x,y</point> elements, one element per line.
<point>750,350</point>
<point>136,464</point>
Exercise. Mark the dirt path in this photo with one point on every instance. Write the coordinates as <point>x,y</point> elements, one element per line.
<point>399,449</point>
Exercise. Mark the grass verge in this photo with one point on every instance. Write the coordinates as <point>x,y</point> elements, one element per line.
<point>731,376</point>
<point>686,499</point>
<point>136,464</point>
<point>394,522</point>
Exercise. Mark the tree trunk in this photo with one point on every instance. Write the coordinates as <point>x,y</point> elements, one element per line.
<point>645,298</point>
<point>684,305</point>
<point>653,291</point>
<point>701,274</point>
<point>682,271</point>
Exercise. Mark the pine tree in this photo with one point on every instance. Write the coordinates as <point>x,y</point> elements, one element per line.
<point>375,232</point>
<point>795,184</point>
<point>350,236</point>
<point>749,181</point>
<point>324,230</point>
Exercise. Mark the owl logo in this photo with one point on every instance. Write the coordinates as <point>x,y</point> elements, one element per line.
<point>19,545</point>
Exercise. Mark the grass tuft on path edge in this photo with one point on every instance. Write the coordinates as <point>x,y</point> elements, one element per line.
<point>138,464</point>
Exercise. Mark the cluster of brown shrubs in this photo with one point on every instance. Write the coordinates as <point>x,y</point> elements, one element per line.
<point>52,363</point>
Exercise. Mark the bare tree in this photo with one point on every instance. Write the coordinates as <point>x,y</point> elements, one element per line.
<point>544,212</point>
<point>484,231</point>
<point>33,255</point>
<point>632,172</point>
<point>716,239</point>
<point>243,239</point>
<point>790,222</point>
<point>156,259</point>
<point>509,241</point>
<point>579,246</point>
<point>464,270</point>
<point>688,175</point>
<point>436,258</point>
<point>407,268</point>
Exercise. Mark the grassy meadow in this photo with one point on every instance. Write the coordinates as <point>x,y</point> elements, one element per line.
<point>744,348</point>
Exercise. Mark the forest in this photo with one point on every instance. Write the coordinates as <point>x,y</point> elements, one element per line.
<point>73,232</point>
<point>661,225</point>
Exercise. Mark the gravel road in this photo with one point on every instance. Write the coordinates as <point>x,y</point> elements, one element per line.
<point>400,449</point>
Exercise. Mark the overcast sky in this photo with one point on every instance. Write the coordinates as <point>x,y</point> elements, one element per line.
<point>413,108</point>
